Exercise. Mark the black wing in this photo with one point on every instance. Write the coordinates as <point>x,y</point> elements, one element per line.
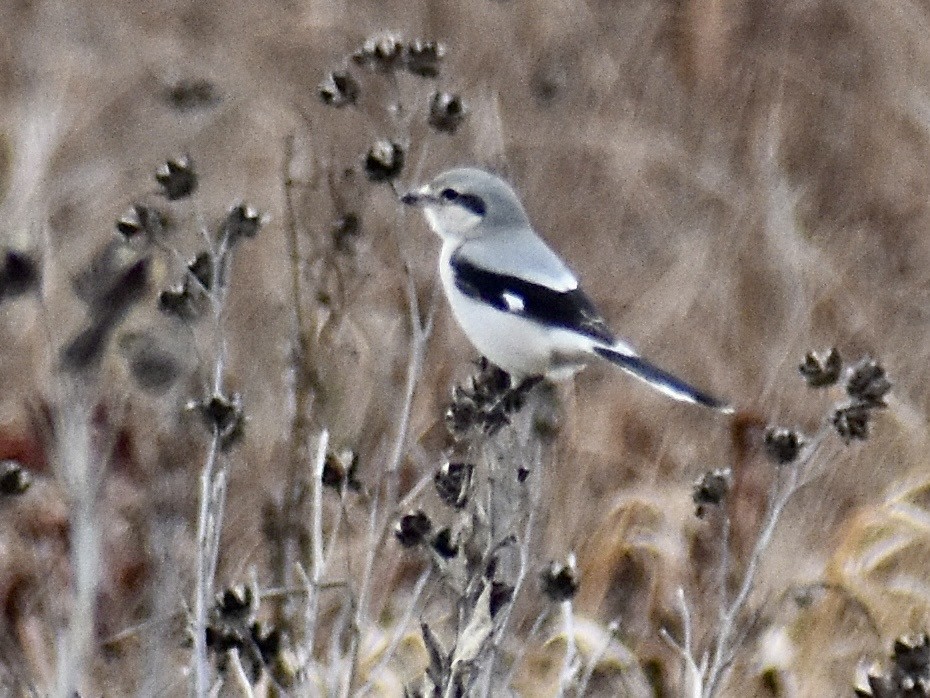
<point>571,310</point>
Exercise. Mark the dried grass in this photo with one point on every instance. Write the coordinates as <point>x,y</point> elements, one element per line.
<point>736,182</point>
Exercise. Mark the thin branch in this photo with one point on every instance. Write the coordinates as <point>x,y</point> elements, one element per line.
<point>724,565</point>
<point>238,672</point>
<point>387,488</point>
<point>204,583</point>
<point>317,535</point>
<point>79,471</point>
<point>570,663</point>
<point>212,478</point>
<point>693,676</point>
<point>721,657</point>
<point>303,382</point>
<point>524,547</point>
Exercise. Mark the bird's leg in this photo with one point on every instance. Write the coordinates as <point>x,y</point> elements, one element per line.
<point>515,397</point>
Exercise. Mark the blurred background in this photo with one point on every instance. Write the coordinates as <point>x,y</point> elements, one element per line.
<point>738,183</point>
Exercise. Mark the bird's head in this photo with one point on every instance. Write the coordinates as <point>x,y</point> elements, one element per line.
<point>466,203</point>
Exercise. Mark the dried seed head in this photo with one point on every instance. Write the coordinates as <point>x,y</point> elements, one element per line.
<point>14,478</point>
<point>710,490</point>
<point>177,178</point>
<point>233,627</point>
<point>152,365</point>
<point>384,53</point>
<point>911,655</point>
<point>384,161</point>
<point>560,580</point>
<point>876,684</point>
<point>19,274</point>
<point>275,655</point>
<point>201,268</point>
<point>268,640</point>
<point>423,58</point>
<point>221,640</point>
<point>782,445</point>
<point>444,545</point>
<point>339,89</point>
<point>345,231</point>
<point>909,673</point>
<point>446,112</point>
<point>852,421</point>
<point>242,221</point>
<point>222,415</point>
<point>462,415</point>
<point>412,529</point>
<point>339,470</point>
<point>821,370</point>
<point>485,406</point>
<point>190,95</point>
<point>236,604</point>
<point>453,483</point>
<point>501,595</point>
<point>179,302</point>
<point>867,383</point>
<point>141,221</point>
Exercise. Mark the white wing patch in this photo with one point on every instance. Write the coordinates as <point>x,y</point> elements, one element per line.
<point>514,303</point>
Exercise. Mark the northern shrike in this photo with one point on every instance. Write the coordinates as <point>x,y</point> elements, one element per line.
<point>516,300</point>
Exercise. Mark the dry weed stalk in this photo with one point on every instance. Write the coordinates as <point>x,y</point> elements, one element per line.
<point>482,556</point>
<point>204,287</point>
<point>80,469</point>
<point>798,462</point>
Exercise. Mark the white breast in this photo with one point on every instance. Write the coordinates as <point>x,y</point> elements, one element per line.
<point>518,345</point>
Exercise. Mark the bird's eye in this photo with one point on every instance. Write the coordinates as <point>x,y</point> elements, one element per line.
<point>449,194</point>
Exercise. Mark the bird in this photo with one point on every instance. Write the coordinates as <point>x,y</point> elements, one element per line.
<point>515,299</point>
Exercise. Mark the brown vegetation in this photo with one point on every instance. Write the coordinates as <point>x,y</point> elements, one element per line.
<point>737,183</point>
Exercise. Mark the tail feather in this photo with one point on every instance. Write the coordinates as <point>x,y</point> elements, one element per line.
<point>661,380</point>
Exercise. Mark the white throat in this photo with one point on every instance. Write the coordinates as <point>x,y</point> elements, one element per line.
<point>451,222</point>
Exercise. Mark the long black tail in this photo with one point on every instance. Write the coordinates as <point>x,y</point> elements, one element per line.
<point>661,380</point>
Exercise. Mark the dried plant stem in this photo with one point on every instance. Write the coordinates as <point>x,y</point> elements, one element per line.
<point>420,331</point>
<point>570,664</point>
<point>725,645</point>
<point>419,335</point>
<point>724,563</point>
<point>80,474</point>
<point>212,481</point>
<point>692,679</point>
<point>303,383</point>
<point>528,496</point>
<point>207,548</point>
<point>238,672</point>
<point>316,532</point>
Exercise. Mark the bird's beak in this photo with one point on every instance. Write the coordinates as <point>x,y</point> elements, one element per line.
<point>416,197</point>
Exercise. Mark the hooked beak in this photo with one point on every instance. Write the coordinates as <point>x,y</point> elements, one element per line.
<point>417,197</point>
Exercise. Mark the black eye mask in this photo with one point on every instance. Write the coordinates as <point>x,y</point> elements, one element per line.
<point>469,202</point>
